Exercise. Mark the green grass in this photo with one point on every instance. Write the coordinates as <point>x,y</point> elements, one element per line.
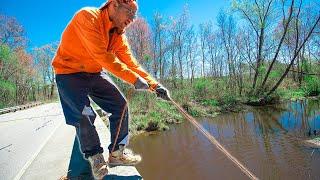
<point>317,139</point>
<point>151,114</point>
<point>210,102</point>
<point>205,97</point>
<point>292,94</point>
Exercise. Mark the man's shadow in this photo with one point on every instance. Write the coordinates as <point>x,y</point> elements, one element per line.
<point>79,168</point>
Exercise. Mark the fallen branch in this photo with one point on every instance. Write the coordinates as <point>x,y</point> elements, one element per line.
<point>305,73</point>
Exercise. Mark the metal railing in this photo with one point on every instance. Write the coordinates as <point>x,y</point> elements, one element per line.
<point>17,108</point>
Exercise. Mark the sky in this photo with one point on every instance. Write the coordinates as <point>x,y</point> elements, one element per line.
<point>44,21</point>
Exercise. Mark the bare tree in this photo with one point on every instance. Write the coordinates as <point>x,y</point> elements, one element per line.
<point>11,32</point>
<point>257,13</point>
<point>285,22</point>
<point>43,57</point>
<point>227,28</point>
<point>203,35</point>
<point>191,48</point>
<point>181,28</point>
<point>173,48</point>
<point>139,35</point>
<point>298,46</point>
<point>158,40</point>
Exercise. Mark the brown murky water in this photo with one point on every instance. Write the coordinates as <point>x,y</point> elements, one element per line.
<point>268,141</point>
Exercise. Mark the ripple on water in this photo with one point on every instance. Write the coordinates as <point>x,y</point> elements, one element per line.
<point>267,140</point>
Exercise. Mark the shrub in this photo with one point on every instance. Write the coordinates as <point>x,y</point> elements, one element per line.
<point>312,85</point>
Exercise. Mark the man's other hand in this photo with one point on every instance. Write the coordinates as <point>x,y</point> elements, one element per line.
<point>141,84</point>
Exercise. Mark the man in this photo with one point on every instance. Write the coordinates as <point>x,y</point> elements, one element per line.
<point>94,40</point>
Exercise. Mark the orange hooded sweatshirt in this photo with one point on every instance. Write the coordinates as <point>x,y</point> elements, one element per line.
<point>87,46</point>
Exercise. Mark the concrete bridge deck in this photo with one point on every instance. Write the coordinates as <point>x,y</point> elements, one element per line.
<point>37,144</point>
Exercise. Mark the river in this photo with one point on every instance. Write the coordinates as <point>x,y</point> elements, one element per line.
<point>267,140</point>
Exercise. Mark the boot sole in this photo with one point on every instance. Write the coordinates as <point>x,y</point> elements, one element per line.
<point>122,164</point>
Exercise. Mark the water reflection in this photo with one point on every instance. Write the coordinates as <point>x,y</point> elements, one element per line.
<point>267,140</point>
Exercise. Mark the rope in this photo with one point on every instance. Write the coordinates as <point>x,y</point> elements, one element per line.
<point>214,141</point>
<point>199,127</point>
<point>121,119</point>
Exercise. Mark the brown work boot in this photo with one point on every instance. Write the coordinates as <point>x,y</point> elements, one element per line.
<point>98,166</point>
<point>123,157</point>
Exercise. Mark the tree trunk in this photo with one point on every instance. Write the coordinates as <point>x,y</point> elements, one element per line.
<point>294,57</point>
<point>51,91</point>
<point>259,58</point>
<point>279,45</point>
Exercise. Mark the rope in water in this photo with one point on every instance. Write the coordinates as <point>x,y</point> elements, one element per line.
<point>199,127</point>
<point>214,141</point>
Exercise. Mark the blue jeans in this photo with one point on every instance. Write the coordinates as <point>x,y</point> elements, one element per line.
<point>74,92</point>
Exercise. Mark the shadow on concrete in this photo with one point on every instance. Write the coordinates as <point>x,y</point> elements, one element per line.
<point>79,168</point>
<point>115,177</point>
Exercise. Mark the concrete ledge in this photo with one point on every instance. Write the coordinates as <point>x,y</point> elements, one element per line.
<point>61,157</point>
